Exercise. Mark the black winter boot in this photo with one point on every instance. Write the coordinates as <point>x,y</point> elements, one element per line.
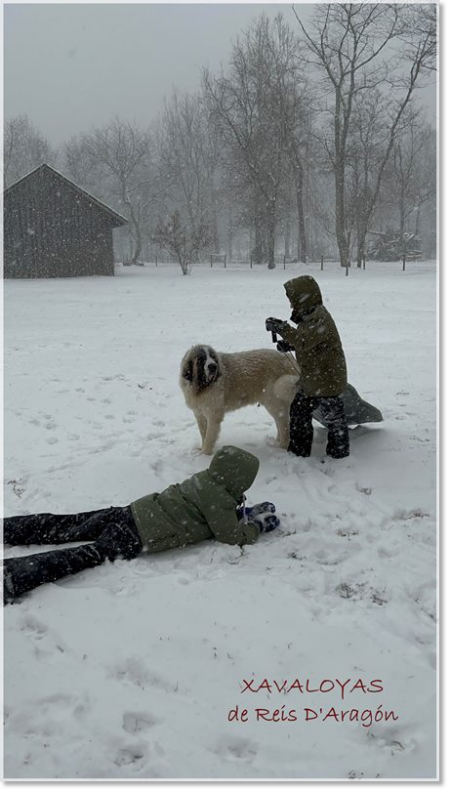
<point>26,573</point>
<point>301,430</point>
<point>338,445</point>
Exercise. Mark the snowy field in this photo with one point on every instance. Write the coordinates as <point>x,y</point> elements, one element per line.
<point>130,671</point>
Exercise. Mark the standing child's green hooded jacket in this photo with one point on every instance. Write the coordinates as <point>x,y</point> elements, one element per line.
<point>316,340</point>
<point>202,507</point>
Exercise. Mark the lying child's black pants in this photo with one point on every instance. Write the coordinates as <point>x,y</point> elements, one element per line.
<point>112,531</point>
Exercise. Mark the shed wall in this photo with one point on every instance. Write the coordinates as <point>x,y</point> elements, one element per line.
<point>50,231</point>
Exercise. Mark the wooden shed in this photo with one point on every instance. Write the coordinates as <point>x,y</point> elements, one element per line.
<point>54,229</point>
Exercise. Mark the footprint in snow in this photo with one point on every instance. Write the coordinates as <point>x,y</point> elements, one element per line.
<point>44,643</point>
<point>135,722</point>
<point>33,627</point>
<point>238,749</point>
<point>134,672</point>
<point>131,755</point>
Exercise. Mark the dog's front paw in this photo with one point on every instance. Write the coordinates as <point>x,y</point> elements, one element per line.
<point>206,451</point>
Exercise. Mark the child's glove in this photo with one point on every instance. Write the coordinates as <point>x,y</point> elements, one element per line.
<point>283,346</point>
<point>275,325</point>
<point>266,522</point>
<point>252,511</point>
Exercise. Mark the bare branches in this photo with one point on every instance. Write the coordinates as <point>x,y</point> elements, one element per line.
<point>360,48</point>
<point>181,242</point>
<point>120,152</point>
<point>255,108</point>
<point>24,148</point>
<point>187,162</point>
<point>299,108</point>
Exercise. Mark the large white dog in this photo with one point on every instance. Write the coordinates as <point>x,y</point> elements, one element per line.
<point>215,383</point>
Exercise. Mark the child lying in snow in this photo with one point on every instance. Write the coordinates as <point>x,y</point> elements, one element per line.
<point>207,505</point>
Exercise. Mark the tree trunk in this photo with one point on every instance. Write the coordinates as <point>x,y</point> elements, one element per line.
<point>184,265</point>
<point>360,247</point>
<point>138,244</point>
<point>271,228</point>
<point>341,235</point>
<point>417,225</point>
<point>361,233</point>
<point>362,217</point>
<point>302,248</point>
<point>215,235</point>
<point>230,236</point>
<point>287,237</point>
<point>134,223</point>
<point>402,218</point>
<point>214,225</point>
<point>258,250</point>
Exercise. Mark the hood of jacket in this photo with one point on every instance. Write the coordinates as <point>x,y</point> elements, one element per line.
<point>235,469</point>
<point>304,295</point>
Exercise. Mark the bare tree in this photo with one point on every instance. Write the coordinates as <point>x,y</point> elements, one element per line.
<point>253,107</point>
<point>353,47</point>
<point>187,158</point>
<point>301,153</point>
<point>79,166</point>
<point>407,186</point>
<point>182,241</point>
<point>410,180</point>
<point>24,148</point>
<point>365,152</point>
<point>123,151</point>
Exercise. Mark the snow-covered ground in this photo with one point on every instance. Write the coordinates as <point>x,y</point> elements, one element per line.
<point>130,671</point>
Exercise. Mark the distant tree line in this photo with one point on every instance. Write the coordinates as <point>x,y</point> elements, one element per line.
<point>310,141</point>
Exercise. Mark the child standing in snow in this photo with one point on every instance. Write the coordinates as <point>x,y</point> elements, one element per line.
<point>323,368</point>
<point>208,505</point>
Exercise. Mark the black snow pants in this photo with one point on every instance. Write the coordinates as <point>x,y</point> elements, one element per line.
<point>301,426</point>
<point>112,532</point>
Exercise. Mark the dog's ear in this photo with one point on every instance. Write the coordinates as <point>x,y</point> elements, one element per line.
<point>188,370</point>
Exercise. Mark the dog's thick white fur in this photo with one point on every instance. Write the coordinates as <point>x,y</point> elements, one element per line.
<point>215,383</point>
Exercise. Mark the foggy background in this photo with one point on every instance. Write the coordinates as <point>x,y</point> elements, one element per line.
<point>78,79</point>
<point>73,66</point>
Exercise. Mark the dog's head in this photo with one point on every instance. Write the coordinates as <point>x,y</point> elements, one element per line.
<point>200,367</point>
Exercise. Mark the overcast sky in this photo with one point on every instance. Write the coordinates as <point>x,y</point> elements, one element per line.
<point>71,67</point>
